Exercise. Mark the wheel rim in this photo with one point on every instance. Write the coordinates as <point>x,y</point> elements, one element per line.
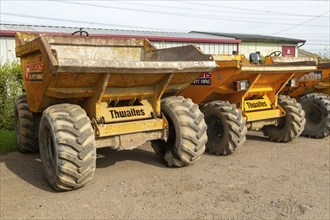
<point>313,114</point>
<point>171,133</point>
<point>282,122</point>
<point>215,130</point>
<point>50,149</point>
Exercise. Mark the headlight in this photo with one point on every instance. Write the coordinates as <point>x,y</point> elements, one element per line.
<point>241,85</point>
<point>293,82</point>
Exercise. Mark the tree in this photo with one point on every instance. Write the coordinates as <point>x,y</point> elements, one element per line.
<point>10,88</point>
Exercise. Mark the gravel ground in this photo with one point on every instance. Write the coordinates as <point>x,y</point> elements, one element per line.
<point>262,180</point>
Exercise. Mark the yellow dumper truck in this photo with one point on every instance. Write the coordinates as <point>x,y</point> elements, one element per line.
<point>313,93</point>
<point>243,94</point>
<point>88,92</point>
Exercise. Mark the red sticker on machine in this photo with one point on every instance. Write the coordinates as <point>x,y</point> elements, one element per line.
<point>33,72</point>
<point>204,79</point>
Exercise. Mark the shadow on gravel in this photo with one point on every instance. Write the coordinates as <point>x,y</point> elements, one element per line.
<point>28,167</point>
<point>107,157</point>
<point>256,136</point>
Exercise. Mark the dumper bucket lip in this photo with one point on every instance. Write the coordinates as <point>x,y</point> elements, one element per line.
<point>138,67</point>
<point>278,69</point>
<point>301,66</point>
<point>57,64</point>
<point>27,37</point>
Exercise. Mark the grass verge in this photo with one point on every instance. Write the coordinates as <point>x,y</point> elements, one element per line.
<point>7,141</point>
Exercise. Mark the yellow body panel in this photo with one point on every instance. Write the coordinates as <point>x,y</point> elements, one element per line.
<point>131,127</point>
<point>264,114</point>
<point>266,81</point>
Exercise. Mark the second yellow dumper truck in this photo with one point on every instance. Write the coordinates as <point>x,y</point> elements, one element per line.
<point>241,95</point>
<point>313,91</point>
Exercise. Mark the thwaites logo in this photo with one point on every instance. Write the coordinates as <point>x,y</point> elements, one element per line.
<point>317,75</point>
<point>256,104</point>
<point>204,79</point>
<point>33,72</point>
<point>127,113</point>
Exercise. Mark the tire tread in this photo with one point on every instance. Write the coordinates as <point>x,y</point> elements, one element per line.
<point>193,133</point>
<point>323,101</point>
<point>235,124</point>
<point>27,138</point>
<point>295,117</point>
<point>75,145</point>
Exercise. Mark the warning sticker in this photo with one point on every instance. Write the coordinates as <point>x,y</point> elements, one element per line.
<point>33,72</point>
<point>204,79</point>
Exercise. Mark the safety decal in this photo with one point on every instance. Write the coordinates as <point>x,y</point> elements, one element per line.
<point>204,79</point>
<point>33,72</point>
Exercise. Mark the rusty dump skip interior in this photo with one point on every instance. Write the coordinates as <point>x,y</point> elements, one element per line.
<point>91,70</point>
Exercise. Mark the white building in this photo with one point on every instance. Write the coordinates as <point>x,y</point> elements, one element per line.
<point>263,43</point>
<point>209,43</point>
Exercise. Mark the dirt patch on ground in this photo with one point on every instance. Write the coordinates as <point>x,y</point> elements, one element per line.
<point>262,180</point>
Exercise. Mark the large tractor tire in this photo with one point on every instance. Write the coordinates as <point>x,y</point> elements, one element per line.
<point>226,128</point>
<point>67,146</point>
<point>26,127</point>
<point>317,109</point>
<point>187,132</point>
<point>291,125</point>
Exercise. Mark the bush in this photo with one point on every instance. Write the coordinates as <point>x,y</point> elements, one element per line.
<point>8,141</point>
<point>10,88</point>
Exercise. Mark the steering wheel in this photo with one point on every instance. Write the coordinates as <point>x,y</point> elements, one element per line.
<point>81,31</point>
<point>275,53</point>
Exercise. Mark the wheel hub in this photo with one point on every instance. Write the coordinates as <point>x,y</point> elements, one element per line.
<point>215,130</point>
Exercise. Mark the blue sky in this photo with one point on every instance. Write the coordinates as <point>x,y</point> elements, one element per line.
<point>307,20</point>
